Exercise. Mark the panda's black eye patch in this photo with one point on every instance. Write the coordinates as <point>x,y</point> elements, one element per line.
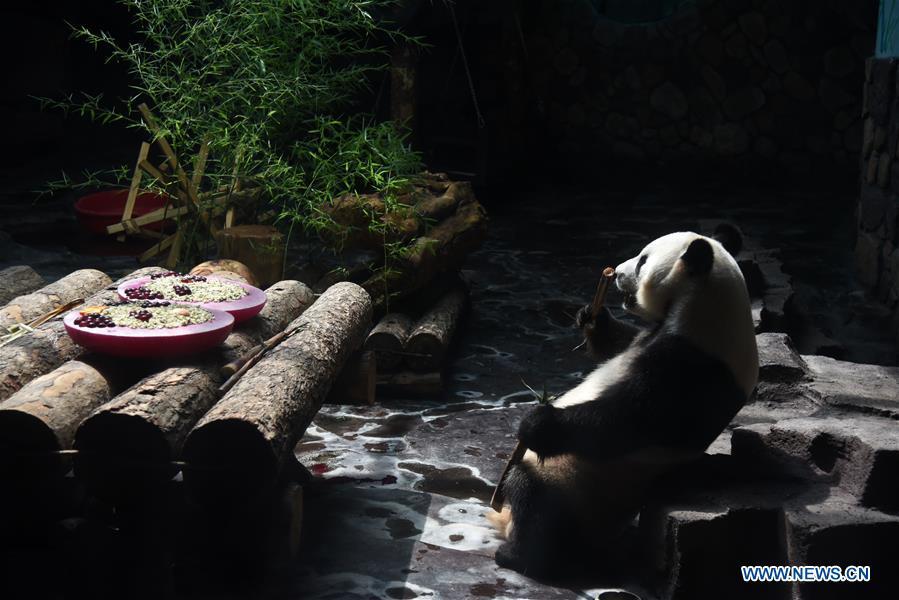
<point>640,263</point>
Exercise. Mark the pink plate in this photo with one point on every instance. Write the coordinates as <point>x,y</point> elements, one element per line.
<point>157,343</point>
<point>242,309</point>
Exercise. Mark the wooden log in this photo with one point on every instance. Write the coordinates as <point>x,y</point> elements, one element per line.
<point>80,284</point>
<point>18,280</point>
<point>437,208</point>
<point>409,384</point>
<point>227,269</point>
<point>353,213</point>
<point>357,380</point>
<point>40,419</point>
<point>432,334</point>
<point>259,247</point>
<point>388,339</point>
<point>127,446</point>
<point>49,345</point>
<point>443,248</point>
<point>236,451</point>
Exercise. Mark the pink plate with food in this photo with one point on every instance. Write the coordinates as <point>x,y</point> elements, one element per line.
<point>148,329</point>
<point>241,300</point>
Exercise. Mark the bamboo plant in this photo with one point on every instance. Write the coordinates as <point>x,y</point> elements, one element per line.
<point>271,87</point>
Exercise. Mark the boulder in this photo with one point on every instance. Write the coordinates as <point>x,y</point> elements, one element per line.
<point>778,360</point>
<point>869,389</point>
<point>859,454</point>
<point>669,100</point>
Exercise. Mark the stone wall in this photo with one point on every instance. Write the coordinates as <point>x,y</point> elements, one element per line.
<point>877,246</point>
<point>735,82</point>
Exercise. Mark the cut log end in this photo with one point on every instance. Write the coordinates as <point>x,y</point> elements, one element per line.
<point>432,335</point>
<point>236,450</point>
<point>120,457</point>
<point>229,461</point>
<point>29,448</point>
<point>129,443</point>
<point>388,339</point>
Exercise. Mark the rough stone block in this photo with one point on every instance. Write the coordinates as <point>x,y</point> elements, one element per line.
<point>894,176</point>
<point>871,389</point>
<point>699,536</point>
<point>880,138</point>
<point>881,90</point>
<point>871,168</point>
<point>753,25</point>
<point>669,100</point>
<point>743,102</point>
<point>872,207</point>
<point>860,454</point>
<point>778,360</point>
<point>867,258</point>
<point>698,532</point>
<point>868,138</point>
<point>832,530</point>
<point>774,312</point>
<point>883,171</point>
<point>777,56</point>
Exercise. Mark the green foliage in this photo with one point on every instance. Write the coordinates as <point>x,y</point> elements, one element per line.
<point>269,84</point>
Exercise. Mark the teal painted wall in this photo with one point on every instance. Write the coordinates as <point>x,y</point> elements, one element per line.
<point>888,29</point>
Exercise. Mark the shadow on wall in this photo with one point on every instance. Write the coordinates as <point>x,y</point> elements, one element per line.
<point>585,84</point>
<point>762,81</point>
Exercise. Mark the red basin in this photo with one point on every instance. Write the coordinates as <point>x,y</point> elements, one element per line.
<point>242,309</point>
<point>97,211</point>
<point>156,343</point>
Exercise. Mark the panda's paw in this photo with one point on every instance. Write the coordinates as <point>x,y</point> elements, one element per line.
<point>584,316</point>
<point>507,557</point>
<point>590,325</point>
<point>540,431</point>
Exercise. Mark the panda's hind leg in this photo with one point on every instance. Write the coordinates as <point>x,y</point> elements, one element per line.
<point>540,541</point>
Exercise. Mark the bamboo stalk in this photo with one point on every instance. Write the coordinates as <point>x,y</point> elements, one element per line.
<point>157,248</point>
<point>499,498</point>
<point>155,216</point>
<point>134,187</point>
<point>151,169</point>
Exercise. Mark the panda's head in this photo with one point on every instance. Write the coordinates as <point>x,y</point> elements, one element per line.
<point>677,267</point>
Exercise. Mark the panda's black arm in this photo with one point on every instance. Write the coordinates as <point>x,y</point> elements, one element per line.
<point>606,336</point>
<point>674,396</point>
<point>592,429</point>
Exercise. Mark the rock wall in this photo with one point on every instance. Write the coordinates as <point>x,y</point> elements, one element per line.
<point>737,82</point>
<point>877,245</point>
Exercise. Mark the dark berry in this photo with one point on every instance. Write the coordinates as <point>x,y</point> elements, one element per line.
<point>141,315</point>
<point>165,274</point>
<point>192,279</point>
<point>151,304</point>
<point>142,293</point>
<point>94,320</point>
<point>182,290</point>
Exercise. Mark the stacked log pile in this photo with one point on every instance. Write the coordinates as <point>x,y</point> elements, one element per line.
<point>126,426</point>
<point>238,448</point>
<point>411,352</point>
<point>127,446</point>
<point>440,222</point>
<point>79,284</point>
<point>49,346</point>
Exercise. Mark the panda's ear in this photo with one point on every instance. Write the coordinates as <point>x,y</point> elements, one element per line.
<point>698,257</point>
<point>730,237</point>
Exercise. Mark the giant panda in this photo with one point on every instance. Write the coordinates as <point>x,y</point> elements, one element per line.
<point>659,398</point>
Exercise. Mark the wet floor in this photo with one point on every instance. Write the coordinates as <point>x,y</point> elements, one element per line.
<point>417,475</point>
<point>398,510</point>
